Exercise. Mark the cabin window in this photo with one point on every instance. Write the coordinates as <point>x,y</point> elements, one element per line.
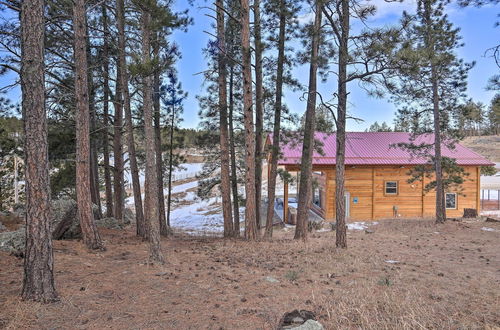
<point>451,201</point>
<point>391,187</point>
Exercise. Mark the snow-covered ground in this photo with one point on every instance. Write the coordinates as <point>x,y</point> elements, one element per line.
<point>189,213</point>
<point>185,171</point>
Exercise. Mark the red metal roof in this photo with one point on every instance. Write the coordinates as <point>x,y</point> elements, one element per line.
<point>376,148</point>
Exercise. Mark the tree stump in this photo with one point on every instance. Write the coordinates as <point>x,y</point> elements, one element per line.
<point>470,213</point>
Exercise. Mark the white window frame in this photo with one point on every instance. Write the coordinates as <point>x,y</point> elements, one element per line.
<point>456,201</point>
<point>385,188</point>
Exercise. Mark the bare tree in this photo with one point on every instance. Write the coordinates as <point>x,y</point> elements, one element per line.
<point>38,281</point>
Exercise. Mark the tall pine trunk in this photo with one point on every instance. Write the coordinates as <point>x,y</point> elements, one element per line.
<point>271,180</point>
<point>340,216</point>
<point>129,127</point>
<point>250,216</point>
<point>151,180</point>
<point>224,135</point>
<point>308,142</point>
<point>105,135</point>
<point>118,148</point>
<point>159,157</point>
<point>430,45</point>
<point>94,160</point>
<point>170,163</point>
<point>259,109</point>
<point>232,150</point>
<point>83,195</point>
<point>38,281</point>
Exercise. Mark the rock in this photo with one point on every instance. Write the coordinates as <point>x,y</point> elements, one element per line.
<point>128,216</point>
<point>492,220</point>
<point>309,325</point>
<point>18,210</point>
<point>110,223</point>
<point>369,231</point>
<point>271,279</point>
<point>2,227</point>
<point>65,223</point>
<point>13,242</point>
<point>296,318</point>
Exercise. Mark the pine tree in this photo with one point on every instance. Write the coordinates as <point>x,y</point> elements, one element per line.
<point>172,97</point>
<point>281,13</point>
<point>223,121</point>
<point>124,82</point>
<point>365,58</point>
<point>309,129</point>
<point>38,281</point>
<point>250,216</point>
<point>90,234</point>
<point>151,182</point>
<point>433,81</point>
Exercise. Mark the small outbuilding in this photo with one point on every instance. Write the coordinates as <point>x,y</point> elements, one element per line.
<point>377,174</point>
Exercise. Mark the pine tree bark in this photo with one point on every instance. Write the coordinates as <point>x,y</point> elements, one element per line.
<point>90,234</point>
<point>429,40</point>
<point>308,142</point>
<point>250,216</point>
<point>232,150</point>
<point>151,180</point>
<point>105,137</point>
<point>118,178</point>
<point>38,280</point>
<point>259,110</point>
<point>159,157</point>
<point>224,135</point>
<point>341,228</point>
<point>129,127</point>
<point>271,180</point>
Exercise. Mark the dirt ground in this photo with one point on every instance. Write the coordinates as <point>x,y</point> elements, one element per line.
<point>407,274</point>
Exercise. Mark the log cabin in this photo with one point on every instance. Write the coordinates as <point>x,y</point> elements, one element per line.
<point>377,174</point>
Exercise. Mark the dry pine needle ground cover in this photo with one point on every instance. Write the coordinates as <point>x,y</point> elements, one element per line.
<point>446,277</point>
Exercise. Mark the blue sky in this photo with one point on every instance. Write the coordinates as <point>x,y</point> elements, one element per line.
<point>477,30</point>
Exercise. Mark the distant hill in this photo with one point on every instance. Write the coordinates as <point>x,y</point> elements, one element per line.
<point>488,146</point>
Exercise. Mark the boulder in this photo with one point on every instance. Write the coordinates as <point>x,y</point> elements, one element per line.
<point>309,325</point>
<point>300,319</point>
<point>65,224</point>
<point>128,216</point>
<point>13,242</point>
<point>110,223</point>
<point>2,227</point>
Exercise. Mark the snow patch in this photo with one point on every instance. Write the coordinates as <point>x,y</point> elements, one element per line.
<point>488,229</point>
<point>360,225</point>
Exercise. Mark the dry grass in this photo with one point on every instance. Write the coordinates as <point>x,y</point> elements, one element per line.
<point>488,146</point>
<point>447,277</point>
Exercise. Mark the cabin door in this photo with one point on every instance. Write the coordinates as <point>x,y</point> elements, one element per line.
<point>347,198</point>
